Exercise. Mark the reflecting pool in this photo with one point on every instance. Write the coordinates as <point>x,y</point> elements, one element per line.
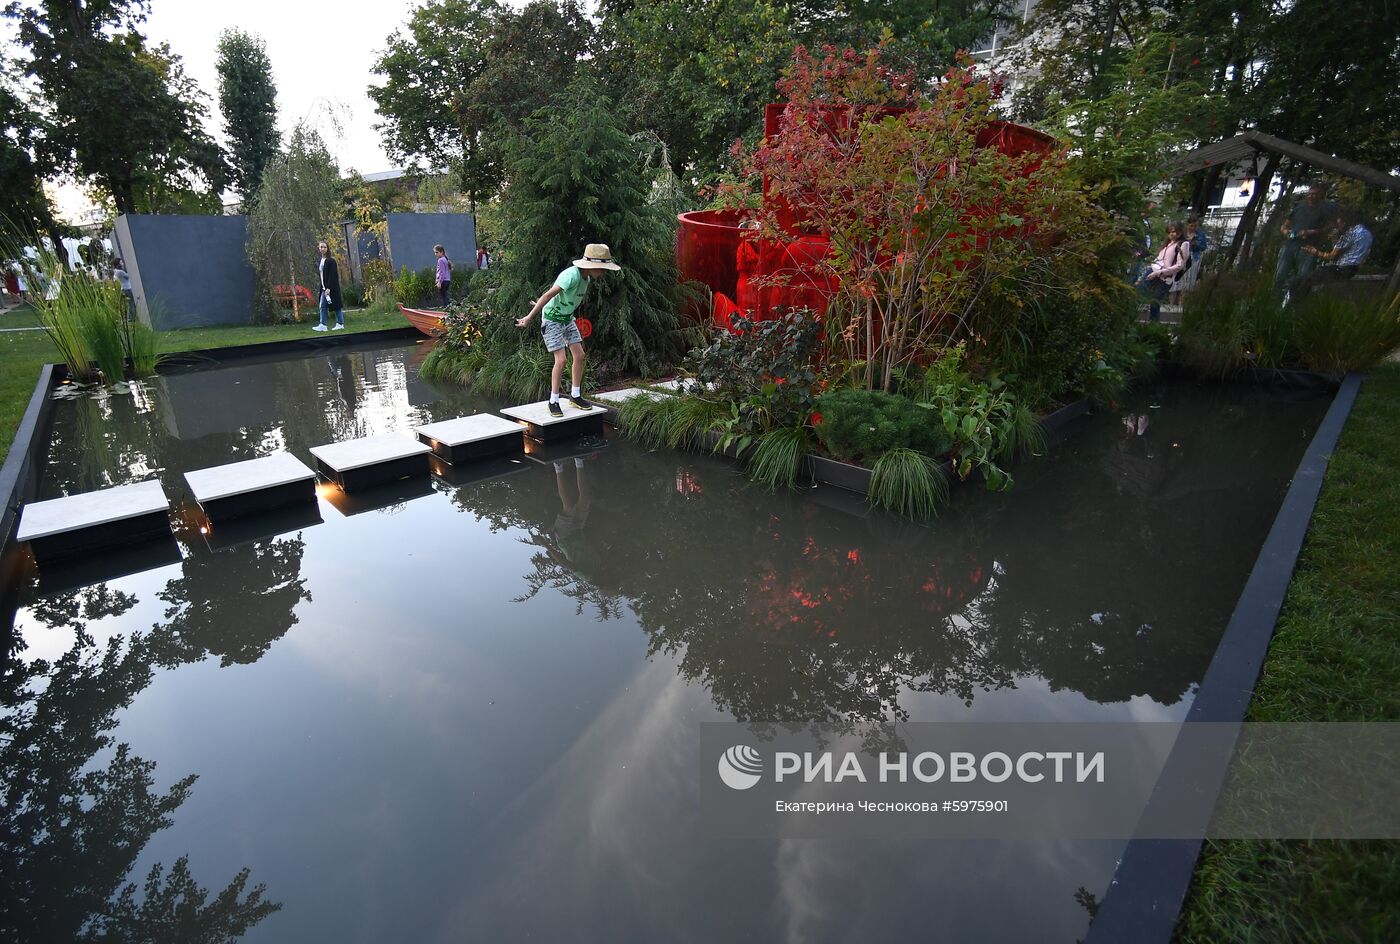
<point>469,709</point>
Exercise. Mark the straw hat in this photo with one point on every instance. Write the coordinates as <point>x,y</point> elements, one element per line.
<point>597,256</point>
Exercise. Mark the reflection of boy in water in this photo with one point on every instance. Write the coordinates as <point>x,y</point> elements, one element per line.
<point>575,499</point>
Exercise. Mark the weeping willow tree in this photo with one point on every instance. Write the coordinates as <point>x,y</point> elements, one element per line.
<point>297,205</point>
<point>575,176</point>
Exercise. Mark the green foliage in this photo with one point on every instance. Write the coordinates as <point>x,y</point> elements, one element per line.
<point>378,280</point>
<point>672,422</point>
<point>767,368</point>
<point>298,204</point>
<point>777,456</point>
<point>124,115</point>
<point>478,350</point>
<point>696,72</point>
<point>415,289</point>
<point>908,483</point>
<point>463,77</point>
<point>248,101</point>
<point>576,177</point>
<point>1340,335</point>
<point>981,418</point>
<point>862,425</point>
<point>352,295</point>
<point>24,206</point>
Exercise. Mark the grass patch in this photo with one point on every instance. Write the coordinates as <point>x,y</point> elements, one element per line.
<point>1335,657</point>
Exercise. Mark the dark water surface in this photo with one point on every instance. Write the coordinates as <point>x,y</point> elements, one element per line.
<point>471,711</point>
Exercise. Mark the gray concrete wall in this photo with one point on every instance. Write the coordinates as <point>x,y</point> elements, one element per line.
<point>187,271</point>
<point>413,235</point>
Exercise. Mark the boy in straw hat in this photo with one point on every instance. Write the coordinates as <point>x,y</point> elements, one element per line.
<point>560,332</point>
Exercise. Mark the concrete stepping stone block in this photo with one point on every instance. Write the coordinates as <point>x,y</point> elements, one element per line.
<point>373,460</point>
<point>472,437</point>
<point>252,487</point>
<point>93,521</point>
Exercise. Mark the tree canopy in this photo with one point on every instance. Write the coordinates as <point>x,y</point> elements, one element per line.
<point>248,100</point>
<point>122,114</point>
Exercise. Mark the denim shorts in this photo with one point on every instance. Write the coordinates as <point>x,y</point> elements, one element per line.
<point>559,336</point>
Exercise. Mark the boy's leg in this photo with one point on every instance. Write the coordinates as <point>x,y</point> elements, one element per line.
<point>577,350</point>
<point>557,374</point>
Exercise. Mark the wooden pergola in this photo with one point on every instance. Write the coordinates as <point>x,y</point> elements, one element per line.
<point>1252,144</point>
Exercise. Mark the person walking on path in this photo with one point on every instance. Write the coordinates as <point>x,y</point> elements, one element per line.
<point>330,290</point>
<point>558,305</point>
<point>444,274</point>
<point>1304,228</point>
<point>1161,278</point>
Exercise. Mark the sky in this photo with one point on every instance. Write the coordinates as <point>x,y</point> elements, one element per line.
<point>321,54</point>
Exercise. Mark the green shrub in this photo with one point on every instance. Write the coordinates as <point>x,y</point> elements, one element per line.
<point>861,425</point>
<point>1339,335</point>
<point>352,295</point>
<point>415,289</point>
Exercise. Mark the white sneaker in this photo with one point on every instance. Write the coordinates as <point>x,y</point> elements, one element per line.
<point>320,327</point>
<point>338,327</point>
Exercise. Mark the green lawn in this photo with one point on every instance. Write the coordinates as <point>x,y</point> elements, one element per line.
<point>1335,657</point>
<point>22,353</point>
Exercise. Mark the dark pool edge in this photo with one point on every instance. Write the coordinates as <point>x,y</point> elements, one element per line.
<point>1149,886</point>
<point>182,361</point>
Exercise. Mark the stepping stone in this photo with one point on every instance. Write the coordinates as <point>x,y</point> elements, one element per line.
<point>374,460</point>
<point>472,437</point>
<point>78,524</point>
<point>680,385</point>
<point>622,396</point>
<point>257,485</point>
<point>575,422</point>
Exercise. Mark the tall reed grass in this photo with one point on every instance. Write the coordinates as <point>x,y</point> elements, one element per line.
<point>1340,335</point>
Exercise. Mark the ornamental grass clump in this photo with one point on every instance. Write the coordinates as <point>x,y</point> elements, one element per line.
<point>1338,335</point>
<point>908,483</point>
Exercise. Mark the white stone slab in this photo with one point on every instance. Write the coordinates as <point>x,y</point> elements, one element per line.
<point>468,429</point>
<point>75,512</point>
<point>254,475</point>
<point>537,414</point>
<point>622,396</point>
<point>372,450</point>
<point>680,385</point>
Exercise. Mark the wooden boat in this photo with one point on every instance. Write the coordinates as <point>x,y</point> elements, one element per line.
<point>429,322</point>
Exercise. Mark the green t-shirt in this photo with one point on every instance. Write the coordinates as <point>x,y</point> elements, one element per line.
<point>572,287</point>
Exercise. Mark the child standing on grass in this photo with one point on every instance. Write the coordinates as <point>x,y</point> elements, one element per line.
<point>558,306</point>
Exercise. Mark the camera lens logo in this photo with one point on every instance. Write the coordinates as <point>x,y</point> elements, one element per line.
<point>740,767</point>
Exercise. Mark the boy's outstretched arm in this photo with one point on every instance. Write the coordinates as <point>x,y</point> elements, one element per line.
<point>539,306</point>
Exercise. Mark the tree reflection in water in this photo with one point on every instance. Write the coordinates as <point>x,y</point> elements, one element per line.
<point>73,828</point>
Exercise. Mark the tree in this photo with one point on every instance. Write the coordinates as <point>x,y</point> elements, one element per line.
<point>423,102</point>
<point>122,114</point>
<point>577,177</point>
<point>248,100</point>
<point>462,81</point>
<point>298,204</point>
<point>24,207</point>
<point>695,72</point>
